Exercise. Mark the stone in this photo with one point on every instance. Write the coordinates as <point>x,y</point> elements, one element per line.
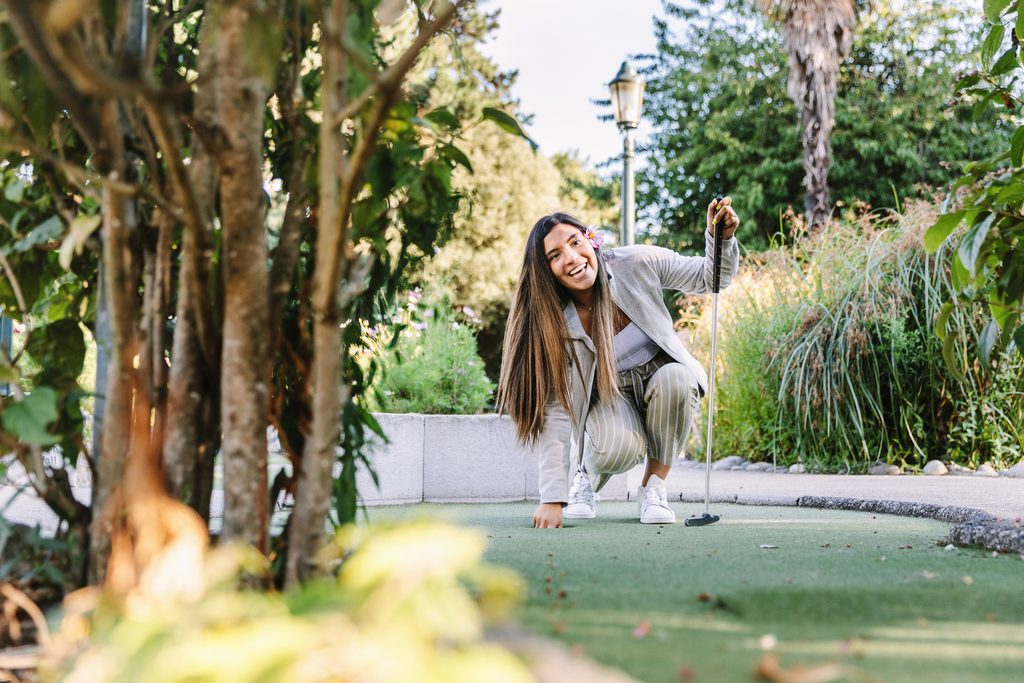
<point>688,463</point>
<point>986,470</point>
<point>759,467</point>
<point>1017,471</point>
<point>797,468</point>
<point>882,468</point>
<point>959,470</point>
<point>935,468</point>
<point>727,462</point>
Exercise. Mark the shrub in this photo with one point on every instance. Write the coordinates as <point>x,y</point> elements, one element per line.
<point>410,603</point>
<point>429,364</point>
<point>826,355</point>
<point>989,269</point>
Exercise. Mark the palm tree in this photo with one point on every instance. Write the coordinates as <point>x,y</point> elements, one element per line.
<point>817,35</point>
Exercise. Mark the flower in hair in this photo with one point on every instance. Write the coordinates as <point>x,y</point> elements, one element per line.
<point>595,240</point>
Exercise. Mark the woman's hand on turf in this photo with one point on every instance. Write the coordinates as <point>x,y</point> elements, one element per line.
<point>548,516</point>
<point>721,215</point>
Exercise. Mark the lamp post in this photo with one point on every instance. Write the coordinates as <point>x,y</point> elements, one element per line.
<point>627,101</point>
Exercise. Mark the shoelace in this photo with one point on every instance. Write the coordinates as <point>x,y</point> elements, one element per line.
<point>656,495</point>
<point>580,492</point>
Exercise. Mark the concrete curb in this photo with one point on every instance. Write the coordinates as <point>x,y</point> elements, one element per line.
<point>947,513</point>
<point>1001,536</point>
<point>971,527</point>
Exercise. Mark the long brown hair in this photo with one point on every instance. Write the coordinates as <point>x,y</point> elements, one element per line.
<point>534,363</point>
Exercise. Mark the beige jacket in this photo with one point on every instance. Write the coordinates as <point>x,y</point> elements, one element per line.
<point>639,274</point>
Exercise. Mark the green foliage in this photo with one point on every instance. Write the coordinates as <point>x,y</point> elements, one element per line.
<point>511,184</point>
<point>38,565</point>
<point>827,355</point>
<point>29,418</point>
<point>46,237</point>
<point>989,419</point>
<point>383,618</point>
<point>428,363</point>
<point>989,266</point>
<point>507,123</point>
<point>724,122</point>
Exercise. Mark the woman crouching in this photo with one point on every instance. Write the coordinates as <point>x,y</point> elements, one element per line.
<point>590,349</point>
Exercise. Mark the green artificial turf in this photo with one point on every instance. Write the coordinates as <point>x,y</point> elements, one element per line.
<point>667,603</point>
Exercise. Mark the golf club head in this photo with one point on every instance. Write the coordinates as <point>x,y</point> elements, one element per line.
<point>701,520</point>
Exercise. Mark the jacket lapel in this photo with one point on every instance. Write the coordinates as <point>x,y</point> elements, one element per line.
<point>575,326</point>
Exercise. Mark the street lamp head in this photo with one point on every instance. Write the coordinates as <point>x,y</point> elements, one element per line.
<point>627,96</point>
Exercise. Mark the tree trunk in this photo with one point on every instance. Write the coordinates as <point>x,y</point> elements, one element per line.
<point>120,219</point>
<point>817,120</point>
<point>313,486</point>
<point>192,432</point>
<point>818,36</point>
<point>245,363</point>
<point>155,275</point>
<point>188,389</point>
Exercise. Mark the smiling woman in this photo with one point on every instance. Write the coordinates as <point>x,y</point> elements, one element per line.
<point>590,352</point>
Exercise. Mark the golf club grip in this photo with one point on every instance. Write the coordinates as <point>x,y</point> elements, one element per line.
<point>716,276</point>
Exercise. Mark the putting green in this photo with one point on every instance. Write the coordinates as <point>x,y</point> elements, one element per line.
<point>874,594</point>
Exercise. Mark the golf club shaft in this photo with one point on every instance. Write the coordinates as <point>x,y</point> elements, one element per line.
<point>715,286</point>
<point>711,403</point>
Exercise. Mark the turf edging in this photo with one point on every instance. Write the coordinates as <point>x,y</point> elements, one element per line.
<point>971,527</point>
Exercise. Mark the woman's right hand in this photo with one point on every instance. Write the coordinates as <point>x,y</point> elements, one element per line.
<point>548,516</point>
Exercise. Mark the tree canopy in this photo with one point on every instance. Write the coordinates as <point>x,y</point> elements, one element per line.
<point>724,124</point>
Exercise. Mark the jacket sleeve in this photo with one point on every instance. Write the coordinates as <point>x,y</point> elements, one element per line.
<point>693,274</point>
<point>553,454</point>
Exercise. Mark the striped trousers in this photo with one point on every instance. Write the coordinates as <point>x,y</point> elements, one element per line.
<point>650,419</point>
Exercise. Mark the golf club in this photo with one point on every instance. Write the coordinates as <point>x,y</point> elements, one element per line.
<point>707,517</point>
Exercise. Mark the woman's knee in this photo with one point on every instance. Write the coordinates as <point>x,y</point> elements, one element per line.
<point>615,450</point>
<point>673,382</point>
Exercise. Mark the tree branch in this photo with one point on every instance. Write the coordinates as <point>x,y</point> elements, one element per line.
<point>391,78</point>
<point>83,110</point>
<point>13,280</point>
<point>83,177</point>
<point>286,253</point>
<point>90,80</point>
<point>386,88</point>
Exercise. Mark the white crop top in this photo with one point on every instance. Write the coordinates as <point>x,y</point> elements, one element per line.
<point>633,348</point>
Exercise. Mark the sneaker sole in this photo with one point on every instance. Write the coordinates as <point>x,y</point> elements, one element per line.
<point>659,520</point>
<point>584,515</point>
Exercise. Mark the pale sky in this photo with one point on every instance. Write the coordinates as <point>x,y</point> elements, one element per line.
<point>567,51</point>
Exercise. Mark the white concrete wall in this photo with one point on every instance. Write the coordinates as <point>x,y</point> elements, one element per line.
<point>455,458</point>
<point>398,464</point>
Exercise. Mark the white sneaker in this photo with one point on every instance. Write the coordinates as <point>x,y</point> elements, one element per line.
<point>581,499</point>
<point>653,501</point>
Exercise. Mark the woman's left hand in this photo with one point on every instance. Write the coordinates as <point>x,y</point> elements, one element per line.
<point>721,214</point>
